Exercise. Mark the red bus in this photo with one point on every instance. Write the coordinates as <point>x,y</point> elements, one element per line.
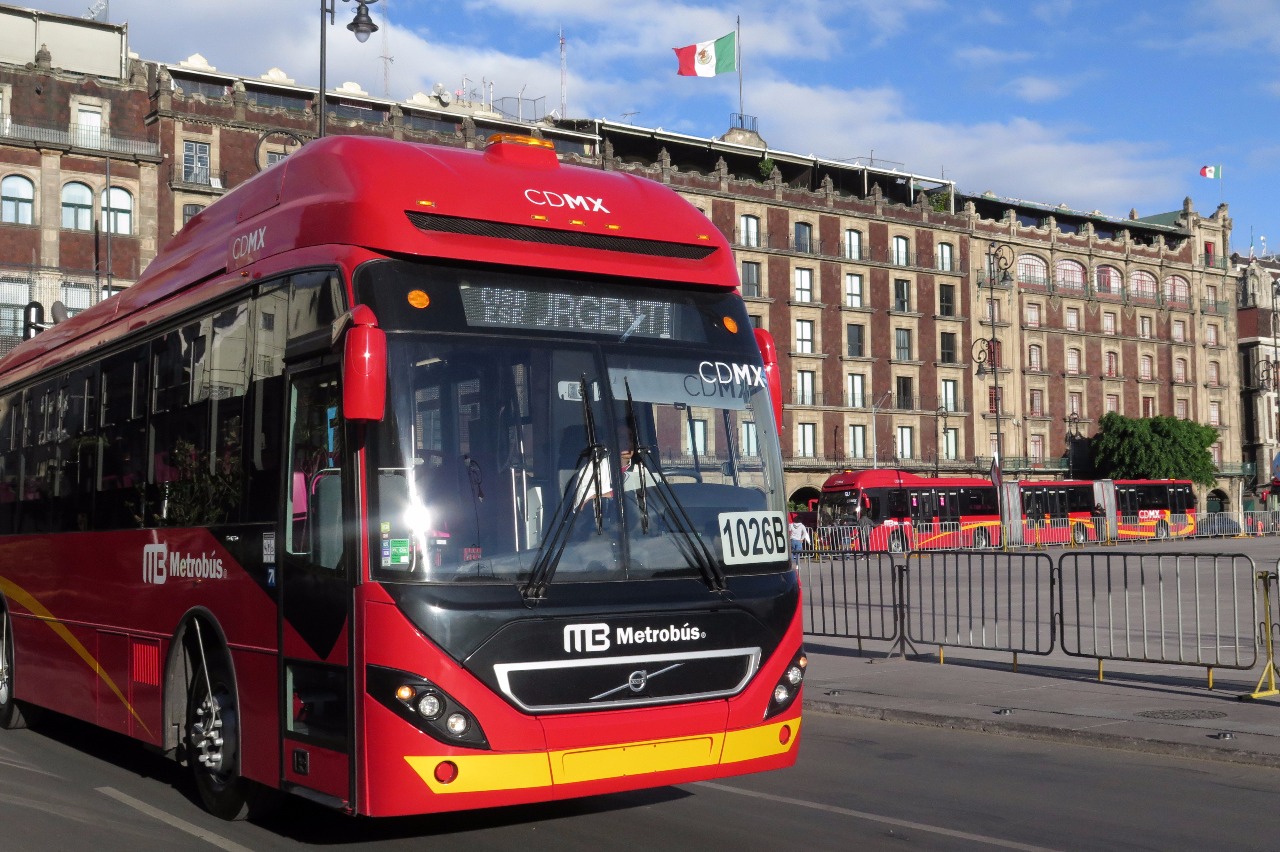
<point>300,508</point>
<point>893,510</point>
<point>1082,511</point>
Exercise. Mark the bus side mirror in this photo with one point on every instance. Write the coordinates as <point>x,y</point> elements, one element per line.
<point>364,367</point>
<point>769,355</point>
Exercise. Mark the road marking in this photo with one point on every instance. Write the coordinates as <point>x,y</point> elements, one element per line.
<point>901,823</point>
<point>169,819</point>
<point>28,767</point>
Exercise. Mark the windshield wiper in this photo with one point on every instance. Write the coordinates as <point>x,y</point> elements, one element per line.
<point>688,541</point>
<point>552,547</point>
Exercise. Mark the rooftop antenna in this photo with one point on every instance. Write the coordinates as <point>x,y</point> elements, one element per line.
<point>386,57</point>
<point>564,78</point>
<point>626,116</point>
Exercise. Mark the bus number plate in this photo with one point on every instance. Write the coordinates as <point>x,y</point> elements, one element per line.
<point>752,537</point>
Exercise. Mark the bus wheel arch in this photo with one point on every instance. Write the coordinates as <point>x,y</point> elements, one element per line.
<point>203,715</point>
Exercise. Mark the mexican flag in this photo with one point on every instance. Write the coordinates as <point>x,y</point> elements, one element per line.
<point>1211,171</point>
<point>708,58</point>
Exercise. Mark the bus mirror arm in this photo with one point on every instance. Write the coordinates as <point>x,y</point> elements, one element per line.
<point>364,364</point>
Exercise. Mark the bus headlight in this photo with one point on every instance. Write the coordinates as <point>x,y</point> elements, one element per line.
<point>430,706</point>
<point>788,686</point>
<point>425,705</point>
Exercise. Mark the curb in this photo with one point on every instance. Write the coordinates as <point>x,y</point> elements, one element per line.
<point>1022,730</point>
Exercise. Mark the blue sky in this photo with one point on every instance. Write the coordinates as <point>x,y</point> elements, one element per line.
<point>1096,104</point>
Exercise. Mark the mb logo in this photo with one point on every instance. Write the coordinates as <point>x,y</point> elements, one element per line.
<point>155,559</point>
<point>586,637</point>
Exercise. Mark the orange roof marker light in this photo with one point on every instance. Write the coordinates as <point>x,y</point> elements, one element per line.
<point>518,149</point>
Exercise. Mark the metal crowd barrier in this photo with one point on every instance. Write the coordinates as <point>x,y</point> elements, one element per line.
<point>1186,609</point>
<point>970,599</point>
<point>854,595</point>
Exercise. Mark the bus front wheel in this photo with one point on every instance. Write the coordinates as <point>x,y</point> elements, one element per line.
<point>1079,534</point>
<point>1162,530</point>
<point>897,543</point>
<point>980,541</point>
<point>11,715</point>
<point>213,742</point>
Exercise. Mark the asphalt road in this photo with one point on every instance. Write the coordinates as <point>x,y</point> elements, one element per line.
<point>859,784</point>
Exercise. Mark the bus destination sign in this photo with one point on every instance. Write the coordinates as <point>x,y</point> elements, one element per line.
<point>515,307</point>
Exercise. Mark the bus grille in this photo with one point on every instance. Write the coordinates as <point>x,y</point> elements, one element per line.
<point>633,681</point>
<point>549,236</point>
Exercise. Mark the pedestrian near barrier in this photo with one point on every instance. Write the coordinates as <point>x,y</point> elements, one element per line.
<point>799,535</point>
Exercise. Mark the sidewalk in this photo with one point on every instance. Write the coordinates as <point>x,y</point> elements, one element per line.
<point>1137,707</point>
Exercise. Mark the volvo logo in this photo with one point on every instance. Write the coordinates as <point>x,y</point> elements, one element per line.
<point>638,680</point>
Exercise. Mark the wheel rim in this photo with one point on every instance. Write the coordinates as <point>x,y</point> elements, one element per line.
<point>5,667</point>
<point>980,539</point>
<point>214,734</point>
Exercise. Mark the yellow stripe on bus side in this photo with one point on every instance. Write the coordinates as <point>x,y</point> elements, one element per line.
<point>29,603</point>
<point>487,772</point>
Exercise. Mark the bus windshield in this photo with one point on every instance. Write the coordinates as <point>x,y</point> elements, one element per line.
<point>601,454</point>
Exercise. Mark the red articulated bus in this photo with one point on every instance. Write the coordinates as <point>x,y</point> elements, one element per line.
<point>324,502</point>
<point>897,511</point>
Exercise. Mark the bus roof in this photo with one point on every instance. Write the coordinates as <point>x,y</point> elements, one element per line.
<point>893,478</point>
<point>512,204</point>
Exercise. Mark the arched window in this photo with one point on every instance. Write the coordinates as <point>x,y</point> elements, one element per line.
<point>77,207</point>
<point>1073,362</point>
<point>1109,280</point>
<point>804,238</point>
<point>1113,364</point>
<point>946,257</point>
<point>853,244</point>
<point>17,200</point>
<point>1213,374</point>
<point>1177,290</point>
<point>749,231</point>
<point>1035,358</point>
<point>1180,370</point>
<point>1069,275</point>
<point>901,251</point>
<point>1144,368</point>
<point>1144,285</point>
<point>1032,270</point>
<point>117,207</point>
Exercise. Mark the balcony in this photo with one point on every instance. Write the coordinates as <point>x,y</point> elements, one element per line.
<point>77,136</point>
<point>1213,261</point>
<point>197,179</point>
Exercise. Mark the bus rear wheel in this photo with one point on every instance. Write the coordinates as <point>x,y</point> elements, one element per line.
<point>213,743</point>
<point>897,543</point>
<point>980,541</point>
<point>12,714</point>
<point>1162,530</point>
<point>1079,534</point>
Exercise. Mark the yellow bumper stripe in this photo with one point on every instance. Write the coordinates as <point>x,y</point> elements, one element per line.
<point>487,772</point>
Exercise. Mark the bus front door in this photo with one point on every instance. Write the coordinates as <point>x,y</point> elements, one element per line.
<point>316,573</point>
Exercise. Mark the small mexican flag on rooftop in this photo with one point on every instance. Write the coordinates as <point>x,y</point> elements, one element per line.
<point>1211,171</point>
<point>708,58</point>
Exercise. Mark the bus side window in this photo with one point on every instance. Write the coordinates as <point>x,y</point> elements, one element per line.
<point>314,510</point>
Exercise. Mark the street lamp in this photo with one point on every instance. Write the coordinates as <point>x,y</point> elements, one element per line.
<point>1073,435</point>
<point>940,431</point>
<point>999,262</point>
<point>362,26</point>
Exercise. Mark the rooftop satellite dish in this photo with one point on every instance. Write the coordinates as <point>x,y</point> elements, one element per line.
<point>59,313</point>
<point>442,94</point>
<point>445,98</point>
<point>554,115</point>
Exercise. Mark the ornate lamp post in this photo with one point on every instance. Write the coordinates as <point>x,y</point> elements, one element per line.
<point>940,430</point>
<point>1073,435</point>
<point>986,353</point>
<point>361,25</point>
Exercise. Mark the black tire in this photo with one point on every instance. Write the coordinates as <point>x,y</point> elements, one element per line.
<point>213,743</point>
<point>980,541</point>
<point>12,714</point>
<point>1162,531</point>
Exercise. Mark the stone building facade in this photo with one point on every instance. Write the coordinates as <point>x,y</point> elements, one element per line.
<point>903,341</point>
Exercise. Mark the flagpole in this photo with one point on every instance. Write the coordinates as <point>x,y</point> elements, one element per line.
<point>737,60</point>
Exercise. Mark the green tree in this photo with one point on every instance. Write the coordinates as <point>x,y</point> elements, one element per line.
<point>1154,448</point>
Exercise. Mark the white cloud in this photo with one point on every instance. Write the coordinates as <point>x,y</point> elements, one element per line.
<point>1039,89</point>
